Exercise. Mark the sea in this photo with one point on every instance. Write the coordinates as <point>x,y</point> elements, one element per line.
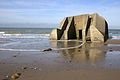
<point>24,39</point>
<point>41,33</point>
<point>33,38</point>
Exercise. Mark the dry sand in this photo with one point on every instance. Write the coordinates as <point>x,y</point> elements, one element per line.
<point>76,64</point>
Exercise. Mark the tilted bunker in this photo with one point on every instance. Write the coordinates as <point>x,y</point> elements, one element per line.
<point>86,27</point>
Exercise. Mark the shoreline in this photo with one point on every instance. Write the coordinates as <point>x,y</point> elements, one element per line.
<point>91,61</point>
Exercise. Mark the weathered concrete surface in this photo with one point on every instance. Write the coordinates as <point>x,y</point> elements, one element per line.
<point>69,32</point>
<point>86,27</point>
<point>55,34</point>
<point>81,24</point>
<point>98,28</point>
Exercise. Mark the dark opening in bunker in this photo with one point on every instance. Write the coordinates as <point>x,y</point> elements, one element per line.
<point>80,34</point>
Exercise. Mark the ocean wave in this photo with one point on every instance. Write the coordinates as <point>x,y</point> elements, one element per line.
<point>42,35</point>
<point>35,50</point>
<point>3,35</point>
<point>116,37</point>
<point>2,49</point>
<point>2,32</point>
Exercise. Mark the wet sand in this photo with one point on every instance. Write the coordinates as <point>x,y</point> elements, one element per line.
<point>91,61</point>
<point>85,75</point>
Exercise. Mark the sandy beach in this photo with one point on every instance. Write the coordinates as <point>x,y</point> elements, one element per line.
<point>59,40</point>
<point>93,61</point>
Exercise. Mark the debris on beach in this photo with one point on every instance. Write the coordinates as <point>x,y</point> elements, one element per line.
<point>110,50</point>
<point>35,68</point>
<point>70,61</point>
<point>14,56</point>
<point>15,76</point>
<point>23,68</point>
<point>78,50</point>
<point>7,76</point>
<point>49,49</point>
<point>31,68</point>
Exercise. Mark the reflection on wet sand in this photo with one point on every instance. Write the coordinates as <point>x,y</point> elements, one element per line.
<point>83,53</point>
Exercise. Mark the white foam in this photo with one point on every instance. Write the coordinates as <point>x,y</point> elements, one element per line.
<point>2,32</point>
<point>70,47</point>
<point>115,37</point>
<point>54,49</point>
<point>114,45</point>
<point>24,35</point>
<point>2,49</point>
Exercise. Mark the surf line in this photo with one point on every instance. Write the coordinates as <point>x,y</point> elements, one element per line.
<point>1,49</point>
<point>56,49</point>
<point>34,50</point>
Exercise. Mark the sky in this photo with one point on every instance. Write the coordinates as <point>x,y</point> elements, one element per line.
<point>49,13</point>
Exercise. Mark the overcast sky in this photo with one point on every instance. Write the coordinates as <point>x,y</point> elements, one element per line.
<point>49,13</point>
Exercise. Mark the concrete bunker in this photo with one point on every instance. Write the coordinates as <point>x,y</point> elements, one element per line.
<point>83,27</point>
